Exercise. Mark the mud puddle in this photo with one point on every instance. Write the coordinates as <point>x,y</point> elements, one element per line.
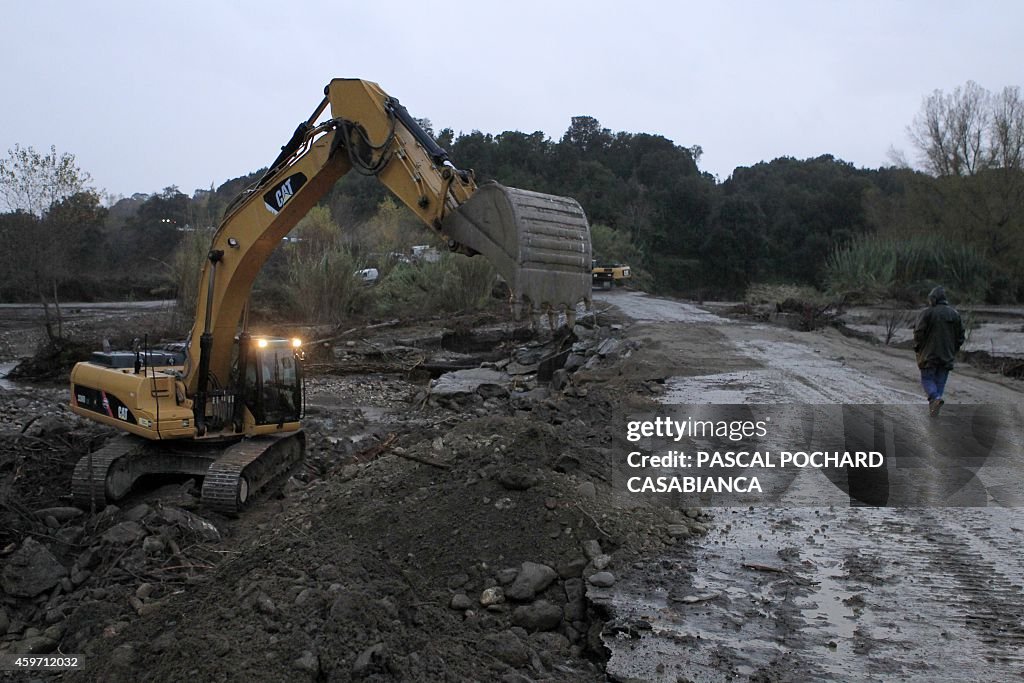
<point>830,594</point>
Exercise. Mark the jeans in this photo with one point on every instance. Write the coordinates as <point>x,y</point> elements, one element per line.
<point>934,381</point>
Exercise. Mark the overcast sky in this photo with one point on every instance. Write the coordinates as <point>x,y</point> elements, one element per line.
<point>148,95</point>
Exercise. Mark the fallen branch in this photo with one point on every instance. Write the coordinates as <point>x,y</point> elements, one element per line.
<point>593,521</point>
<point>425,460</point>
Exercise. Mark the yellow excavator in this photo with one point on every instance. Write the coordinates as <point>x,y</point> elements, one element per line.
<point>227,406</point>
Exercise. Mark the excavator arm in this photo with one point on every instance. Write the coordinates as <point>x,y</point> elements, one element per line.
<point>539,243</point>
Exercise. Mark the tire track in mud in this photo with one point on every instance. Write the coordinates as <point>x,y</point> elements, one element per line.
<point>843,594</point>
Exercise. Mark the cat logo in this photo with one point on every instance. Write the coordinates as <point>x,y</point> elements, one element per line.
<point>278,195</point>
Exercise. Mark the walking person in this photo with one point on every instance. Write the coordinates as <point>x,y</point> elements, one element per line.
<point>938,335</point>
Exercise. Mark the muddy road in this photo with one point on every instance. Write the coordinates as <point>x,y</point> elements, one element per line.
<point>810,586</point>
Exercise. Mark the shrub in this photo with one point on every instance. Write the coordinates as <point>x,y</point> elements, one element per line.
<point>323,285</point>
<point>451,284</point>
<point>874,268</point>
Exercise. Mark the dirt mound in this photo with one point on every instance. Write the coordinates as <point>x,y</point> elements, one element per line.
<point>52,361</point>
<point>463,555</point>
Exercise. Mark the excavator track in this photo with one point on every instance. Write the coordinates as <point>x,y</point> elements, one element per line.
<point>232,476</point>
<point>104,475</point>
<point>249,467</point>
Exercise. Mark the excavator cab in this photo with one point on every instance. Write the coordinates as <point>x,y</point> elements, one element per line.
<point>269,373</point>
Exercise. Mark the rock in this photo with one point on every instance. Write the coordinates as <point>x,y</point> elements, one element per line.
<point>265,605</point>
<point>69,535</point>
<point>576,605</point>
<point>124,533</point>
<point>88,559</point>
<point>532,579</point>
<point>507,576</point>
<point>189,522</point>
<point>35,645</point>
<point>220,646</point>
<point>457,580</point>
<point>601,561</point>
<point>567,463</point>
<point>369,661</point>
<point>506,647</point>
<point>327,572</point>
<point>122,656</point>
<point>31,570</point>
<point>527,399</point>
<point>559,378</point>
<point>572,568</point>
<point>517,479</point>
<point>492,596</point>
<point>80,576</point>
<point>592,549</point>
<point>61,514</point>
<point>602,579</point>
<point>608,347</point>
<point>488,391</point>
<point>553,642</point>
<point>305,596</point>
<point>574,589</point>
<point>678,530</point>
<point>461,602</point>
<point>144,591</point>
<point>163,641</point>
<point>149,608</point>
<point>574,362</point>
<point>153,545</point>
<point>463,382</point>
<point>538,616</point>
<point>138,513</point>
<point>587,490</point>
<point>307,662</point>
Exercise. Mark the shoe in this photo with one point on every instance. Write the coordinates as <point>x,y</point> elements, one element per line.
<point>934,406</point>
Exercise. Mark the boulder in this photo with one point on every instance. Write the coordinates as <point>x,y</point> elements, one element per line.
<point>31,570</point>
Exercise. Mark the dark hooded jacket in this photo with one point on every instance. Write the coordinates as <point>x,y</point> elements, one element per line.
<point>939,333</point>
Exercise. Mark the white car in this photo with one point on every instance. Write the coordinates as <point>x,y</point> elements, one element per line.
<point>367,276</point>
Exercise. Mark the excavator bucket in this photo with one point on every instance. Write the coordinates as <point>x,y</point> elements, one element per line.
<point>540,243</point>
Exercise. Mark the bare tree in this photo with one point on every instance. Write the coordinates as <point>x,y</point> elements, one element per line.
<point>1007,129</point>
<point>951,130</point>
<point>970,130</point>
<point>32,182</point>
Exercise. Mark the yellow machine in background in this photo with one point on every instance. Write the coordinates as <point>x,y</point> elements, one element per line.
<point>235,400</point>
<point>609,275</point>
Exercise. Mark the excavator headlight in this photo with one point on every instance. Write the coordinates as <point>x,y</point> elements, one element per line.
<point>296,343</point>
<point>262,343</point>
